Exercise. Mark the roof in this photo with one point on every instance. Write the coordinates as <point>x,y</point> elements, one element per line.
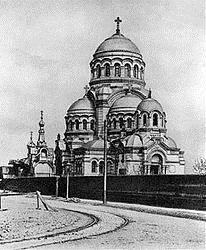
<point>95,144</point>
<point>134,141</point>
<point>81,106</point>
<point>117,42</point>
<point>150,104</point>
<point>127,103</point>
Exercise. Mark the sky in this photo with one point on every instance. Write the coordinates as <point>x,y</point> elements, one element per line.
<point>46,47</point>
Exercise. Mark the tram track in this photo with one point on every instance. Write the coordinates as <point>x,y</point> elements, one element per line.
<point>95,220</point>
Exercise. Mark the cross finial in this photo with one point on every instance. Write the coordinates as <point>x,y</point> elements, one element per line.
<point>42,115</point>
<point>118,21</point>
<point>129,86</point>
<point>86,89</point>
<point>31,135</point>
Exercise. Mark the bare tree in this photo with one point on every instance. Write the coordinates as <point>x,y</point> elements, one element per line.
<point>200,166</point>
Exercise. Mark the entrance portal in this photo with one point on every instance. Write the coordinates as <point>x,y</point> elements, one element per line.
<point>154,169</point>
<point>156,165</point>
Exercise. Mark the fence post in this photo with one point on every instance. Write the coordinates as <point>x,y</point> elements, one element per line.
<point>0,202</point>
<point>37,200</point>
<point>57,186</point>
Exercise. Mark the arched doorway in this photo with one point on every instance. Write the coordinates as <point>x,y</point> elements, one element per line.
<point>156,164</point>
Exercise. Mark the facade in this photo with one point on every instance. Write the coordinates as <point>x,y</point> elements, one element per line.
<point>40,157</point>
<point>137,140</point>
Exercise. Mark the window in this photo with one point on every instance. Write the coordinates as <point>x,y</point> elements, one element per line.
<point>121,122</point>
<point>77,124</point>
<point>107,70</point>
<point>127,70</point>
<point>84,124</point>
<point>70,125</point>
<point>117,70</point>
<point>98,71</point>
<point>114,123</point>
<point>43,153</point>
<point>94,166</point>
<point>136,71</point>
<point>137,121</point>
<point>142,74</point>
<point>144,120</point>
<point>155,119</point>
<point>92,125</point>
<point>101,167</point>
<point>129,123</point>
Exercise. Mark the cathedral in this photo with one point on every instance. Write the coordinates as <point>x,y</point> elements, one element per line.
<point>135,128</point>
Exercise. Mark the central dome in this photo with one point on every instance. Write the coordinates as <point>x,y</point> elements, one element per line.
<point>117,42</point>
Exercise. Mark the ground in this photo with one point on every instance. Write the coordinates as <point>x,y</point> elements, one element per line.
<point>90,225</point>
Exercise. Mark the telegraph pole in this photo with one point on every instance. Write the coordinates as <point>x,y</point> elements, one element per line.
<point>105,163</point>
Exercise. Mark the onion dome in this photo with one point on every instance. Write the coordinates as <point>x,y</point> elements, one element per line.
<point>95,145</point>
<point>134,140</point>
<point>149,105</point>
<point>81,106</point>
<point>170,142</point>
<point>126,104</point>
<point>117,42</point>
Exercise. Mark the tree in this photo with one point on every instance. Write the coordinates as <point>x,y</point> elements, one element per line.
<point>200,166</point>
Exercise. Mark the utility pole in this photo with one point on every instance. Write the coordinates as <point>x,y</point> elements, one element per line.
<point>67,192</point>
<point>105,163</point>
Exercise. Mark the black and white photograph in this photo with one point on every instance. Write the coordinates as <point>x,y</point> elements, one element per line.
<point>102,109</point>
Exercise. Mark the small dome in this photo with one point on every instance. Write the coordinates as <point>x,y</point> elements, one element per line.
<point>127,103</point>
<point>134,141</point>
<point>170,142</point>
<point>117,42</point>
<point>82,106</point>
<point>150,104</point>
<point>95,144</point>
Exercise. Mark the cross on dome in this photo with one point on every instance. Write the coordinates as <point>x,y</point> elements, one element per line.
<point>31,135</point>
<point>118,21</point>
<point>86,89</point>
<point>42,112</point>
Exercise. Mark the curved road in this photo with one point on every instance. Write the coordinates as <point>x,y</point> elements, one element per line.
<point>119,228</point>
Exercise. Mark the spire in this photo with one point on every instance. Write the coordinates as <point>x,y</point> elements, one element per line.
<point>41,138</point>
<point>31,143</point>
<point>118,21</point>
<point>150,93</point>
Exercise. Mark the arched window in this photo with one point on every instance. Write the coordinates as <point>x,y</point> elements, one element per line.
<point>136,71</point>
<point>107,70</point>
<point>94,166</point>
<point>92,72</point>
<point>84,124</point>
<point>127,70</point>
<point>70,125</point>
<point>117,70</point>
<point>129,122</point>
<point>142,73</point>
<point>155,119</point>
<point>110,167</point>
<point>114,123</point>
<point>121,122</point>
<point>44,153</point>
<point>92,125</point>
<point>98,71</point>
<point>101,167</point>
<point>77,124</point>
<point>144,120</point>
<point>137,121</point>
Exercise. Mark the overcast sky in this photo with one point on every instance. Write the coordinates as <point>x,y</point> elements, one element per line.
<point>46,47</point>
